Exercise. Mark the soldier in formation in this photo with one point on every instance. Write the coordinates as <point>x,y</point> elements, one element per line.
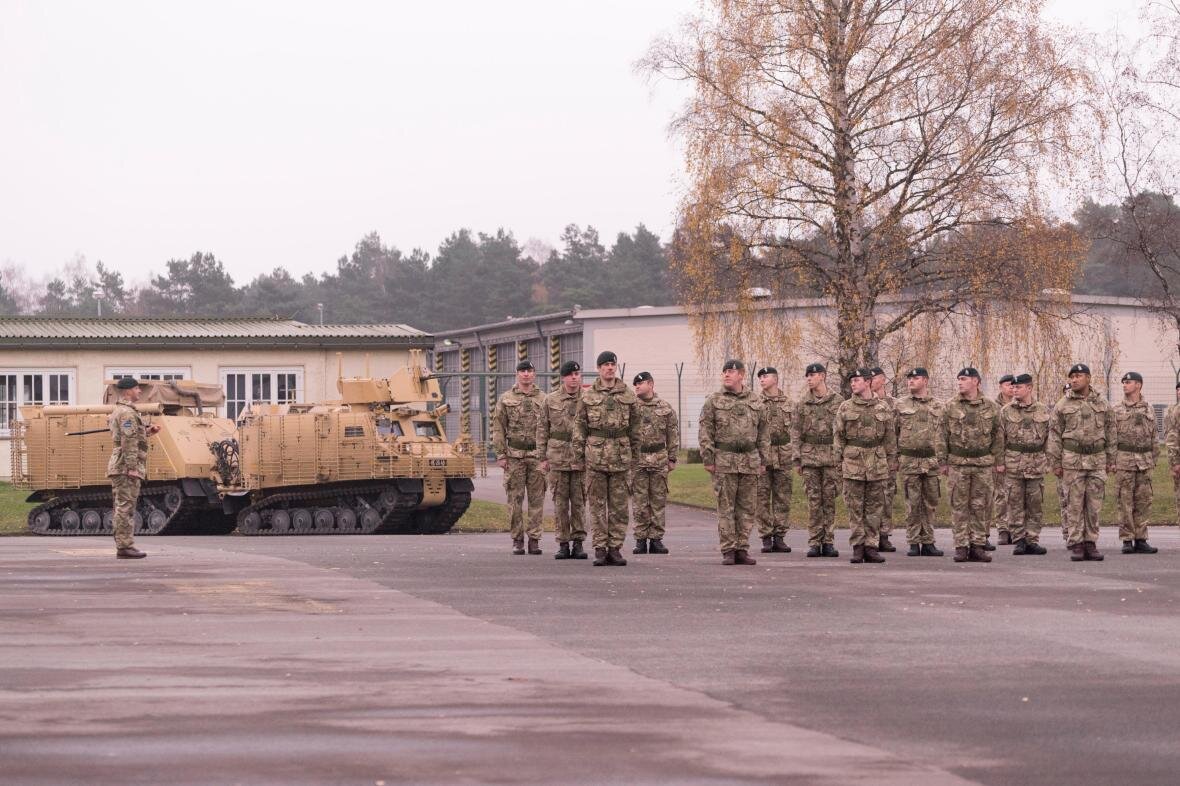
<point>774,485</point>
<point>921,451</point>
<point>1134,461</point>
<point>659,442</point>
<point>514,439</point>
<point>815,459</point>
<point>128,465</point>
<point>565,470</point>
<point>975,454</point>
<point>1172,443</point>
<point>864,441</point>
<point>878,385</point>
<point>1026,433</point>
<point>1000,498</point>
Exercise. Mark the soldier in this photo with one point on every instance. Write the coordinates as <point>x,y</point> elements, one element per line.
<point>878,385</point>
<point>606,432</point>
<point>514,439</point>
<point>864,441</point>
<point>1026,431</point>
<point>128,465</point>
<point>1138,452</point>
<point>659,441</point>
<point>1082,448</point>
<point>921,451</point>
<point>811,443</point>
<point>1172,441</point>
<point>734,438</point>
<point>1000,498</point>
<point>975,452</point>
<point>774,485</point>
<point>564,469</point>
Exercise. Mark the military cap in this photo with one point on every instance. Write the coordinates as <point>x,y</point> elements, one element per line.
<point>1132,376</point>
<point>767,370</point>
<point>1007,378</point>
<point>917,371</point>
<point>525,365</point>
<point>1079,368</point>
<point>642,376</point>
<point>969,371</point>
<point>606,357</point>
<point>863,373</point>
<point>815,368</point>
<point>734,364</point>
<point>877,370</point>
<point>1022,379</point>
<point>126,383</point>
<point>569,367</point>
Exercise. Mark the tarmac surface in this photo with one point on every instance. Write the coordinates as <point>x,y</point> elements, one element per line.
<point>445,659</point>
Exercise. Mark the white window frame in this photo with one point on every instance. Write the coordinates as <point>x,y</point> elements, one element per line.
<point>72,381</point>
<point>148,372</point>
<point>230,404</point>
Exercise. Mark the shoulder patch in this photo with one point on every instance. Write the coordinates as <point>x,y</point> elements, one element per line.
<point>127,426</point>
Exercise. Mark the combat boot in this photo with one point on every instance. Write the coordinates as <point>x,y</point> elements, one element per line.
<point>884,544</point>
<point>829,550</point>
<point>518,546</point>
<point>779,546</point>
<point>988,546</point>
<point>1077,552</point>
<point>1021,548</point>
<point>930,550</point>
<point>656,546</point>
<point>599,557</point>
<point>1143,547</point>
<point>1090,551</point>
<point>871,555</point>
<point>727,558</point>
<point>640,546</point>
<point>742,557</point>
<point>858,555</point>
<point>577,552</point>
<point>129,552</point>
<point>534,546</point>
<point>814,551</point>
<point>614,558</point>
<point>767,544</point>
<point>915,550</point>
<point>1128,547</point>
<point>563,551</point>
<point>960,554</point>
<point>1032,547</point>
<point>1005,538</point>
<point>978,554</point>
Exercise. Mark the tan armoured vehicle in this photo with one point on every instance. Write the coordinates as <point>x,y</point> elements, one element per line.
<point>61,453</point>
<point>376,461</point>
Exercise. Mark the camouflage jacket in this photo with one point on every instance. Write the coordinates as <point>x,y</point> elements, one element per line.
<point>1082,433</point>
<point>779,415</point>
<point>811,430</point>
<point>1002,402</point>
<point>734,433</point>
<point>1135,430</point>
<point>130,439</point>
<point>971,428</point>
<point>659,434</point>
<point>555,430</point>
<point>864,439</point>
<point>1172,434</point>
<point>1026,434</point>
<point>606,427</point>
<point>514,424</point>
<point>921,449</point>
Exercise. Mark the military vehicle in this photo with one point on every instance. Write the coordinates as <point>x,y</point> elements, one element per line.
<point>375,461</point>
<point>61,453</point>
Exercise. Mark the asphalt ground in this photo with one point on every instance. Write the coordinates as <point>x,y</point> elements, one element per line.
<point>445,659</point>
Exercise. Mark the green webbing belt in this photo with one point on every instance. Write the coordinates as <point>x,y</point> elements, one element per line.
<point>608,433</point>
<point>965,453</point>
<point>1073,446</point>
<point>917,452</point>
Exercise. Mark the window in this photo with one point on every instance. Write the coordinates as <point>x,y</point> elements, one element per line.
<point>20,388</point>
<point>425,429</point>
<point>246,386</point>
<point>165,374</point>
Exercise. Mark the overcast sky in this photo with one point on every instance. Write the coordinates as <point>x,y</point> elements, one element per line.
<point>277,133</point>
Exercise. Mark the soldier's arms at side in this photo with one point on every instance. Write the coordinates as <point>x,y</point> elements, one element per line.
<point>542,438</point>
<point>891,440</point>
<point>998,441</point>
<point>838,438</point>
<point>1053,445</point>
<point>578,436</point>
<point>499,432</point>
<point>764,439</point>
<point>1111,433</point>
<point>705,436</point>
<point>634,431</point>
<point>672,437</point>
<point>796,431</point>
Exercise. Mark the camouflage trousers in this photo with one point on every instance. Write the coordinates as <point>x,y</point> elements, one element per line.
<point>1133,490</point>
<point>124,495</point>
<point>921,502</point>
<point>1176,493</point>
<point>1061,507</point>
<point>569,503</point>
<point>1000,508</point>
<point>1084,491</point>
<point>737,507</point>
<point>649,497</point>
<point>1025,498</point>
<point>607,495</point>
<point>972,489</point>
<point>865,500</point>
<point>821,486</point>
<point>774,501</point>
<point>524,476</point>
<point>887,510</point>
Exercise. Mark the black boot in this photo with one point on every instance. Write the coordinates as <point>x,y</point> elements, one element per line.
<point>883,544</point>
<point>599,557</point>
<point>767,544</point>
<point>656,546</point>
<point>779,546</point>
<point>1021,548</point>
<point>727,557</point>
<point>988,546</point>
<point>1143,547</point>
<point>129,552</point>
<point>563,551</point>
<point>1090,551</point>
<point>829,551</point>
<point>915,550</point>
<point>640,546</point>
<point>1128,547</point>
<point>615,558</point>
<point>961,554</point>
<point>1077,552</point>
<point>1031,547</point>
<point>577,552</point>
<point>978,554</point>
<point>534,546</point>
<point>871,555</point>
<point>930,550</point>
<point>518,546</point>
<point>742,557</point>
<point>1005,538</point>
<point>814,551</point>
<point>858,555</point>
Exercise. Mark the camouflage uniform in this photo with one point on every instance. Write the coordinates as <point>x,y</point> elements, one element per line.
<point>1026,432</point>
<point>891,483</point>
<point>1134,461</point>
<point>921,452</point>
<point>1082,442</point>
<point>606,432</point>
<point>514,437</point>
<point>811,443</point>
<point>1172,441</point>
<point>974,445</point>
<point>864,444</point>
<point>774,487</point>
<point>734,437</point>
<point>126,469</point>
<point>1000,497</point>
<point>659,441</point>
<point>567,474</point>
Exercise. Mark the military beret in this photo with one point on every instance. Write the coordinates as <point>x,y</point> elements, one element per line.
<point>734,364</point>
<point>877,370</point>
<point>917,371</point>
<point>815,368</point>
<point>525,365</point>
<point>1007,378</point>
<point>863,373</point>
<point>1079,368</point>
<point>969,371</point>
<point>767,370</point>
<point>569,367</point>
<point>1022,379</point>
<point>606,357</point>
<point>1132,376</point>
<point>642,376</point>
<point>126,383</point>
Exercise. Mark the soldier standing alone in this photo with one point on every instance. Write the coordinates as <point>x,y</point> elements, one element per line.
<point>659,442</point>
<point>565,469</point>
<point>975,453</point>
<point>920,451</point>
<point>774,485</point>
<point>878,384</point>
<point>1138,452</point>
<point>1000,498</point>
<point>514,438</point>
<point>128,465</point>
<point>811,439</point>
<point>1026,432</point>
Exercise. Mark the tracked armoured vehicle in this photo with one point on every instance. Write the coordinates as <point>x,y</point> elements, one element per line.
<point>376,461</point>
<point>61,453</point>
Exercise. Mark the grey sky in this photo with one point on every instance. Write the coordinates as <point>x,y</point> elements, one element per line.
<point>277,133</point>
